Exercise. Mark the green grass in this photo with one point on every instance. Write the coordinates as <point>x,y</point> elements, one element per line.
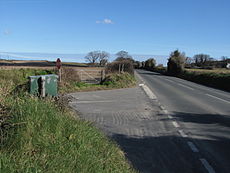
<point>47,140</point>
<point>37,136</point>
<point>19,76</point>
<point>112,81</point>
<point>216,70</point>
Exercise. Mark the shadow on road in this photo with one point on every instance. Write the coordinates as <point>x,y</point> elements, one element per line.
<point>222,120</point>
<point>167,154</point>
<point>151,73</point>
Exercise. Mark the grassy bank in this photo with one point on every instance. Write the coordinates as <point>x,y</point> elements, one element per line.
<point>213,79</point>
<point>112,81</point>
<point>37,136</point>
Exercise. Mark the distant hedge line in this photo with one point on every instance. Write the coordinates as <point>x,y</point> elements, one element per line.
<point>216,80</point>
<point>162,70</point>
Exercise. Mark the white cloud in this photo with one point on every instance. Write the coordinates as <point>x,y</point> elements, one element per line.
<point>7,32</point>
<point>105,21</point>
<point>108,21</point>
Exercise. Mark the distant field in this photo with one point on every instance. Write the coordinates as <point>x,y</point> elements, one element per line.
<point>48,68</point>
<point>218,70</point>
<point>43,64</point>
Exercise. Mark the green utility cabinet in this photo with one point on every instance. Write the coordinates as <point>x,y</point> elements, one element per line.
<point>43,85</point>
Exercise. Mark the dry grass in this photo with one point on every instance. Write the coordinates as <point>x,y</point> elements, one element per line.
<point>217,70</point>
<point>22,61</point>
<point>49,68</point>
<point>25,67</point>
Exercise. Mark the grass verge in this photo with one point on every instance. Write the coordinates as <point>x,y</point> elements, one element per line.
<point>37,136</point>
<point>112,81</point>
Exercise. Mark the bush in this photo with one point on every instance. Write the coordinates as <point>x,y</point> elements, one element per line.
<point>150,63</point>
<point>116,80</point>
<point>123,66</point>
<point>176,63</point>
<point>69,74</point>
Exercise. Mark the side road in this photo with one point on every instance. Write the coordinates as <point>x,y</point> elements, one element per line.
<point>141,128</point>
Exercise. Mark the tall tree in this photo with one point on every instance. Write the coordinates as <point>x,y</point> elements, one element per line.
<point>176,63</point>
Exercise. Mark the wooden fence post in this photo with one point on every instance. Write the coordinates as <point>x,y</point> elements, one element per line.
<point>59,72</point>
<point>102,75</point>
<point>119,68</point>
<point>123,66</point>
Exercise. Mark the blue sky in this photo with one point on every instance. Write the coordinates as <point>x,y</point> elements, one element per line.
<point>144,27</point>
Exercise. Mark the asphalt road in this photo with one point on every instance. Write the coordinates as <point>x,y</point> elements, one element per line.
<point>137,124</point>
<point>201,115</point>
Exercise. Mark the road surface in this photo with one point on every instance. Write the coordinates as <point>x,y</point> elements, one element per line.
<point>201,115</point>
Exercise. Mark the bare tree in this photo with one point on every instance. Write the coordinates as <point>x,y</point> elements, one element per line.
<point>97,56</point>
<point>201,59</point>
<point>103,57</point>
<point>92,57</point>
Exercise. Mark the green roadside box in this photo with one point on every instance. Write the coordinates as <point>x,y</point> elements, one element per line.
<point>43,85</point>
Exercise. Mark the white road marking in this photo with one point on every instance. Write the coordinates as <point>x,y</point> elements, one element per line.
<point>182,133</point>
<point>193,147</point>
<point>170,117</point>
<point>162,107</point>
<point>175,124</point>
<point>150,94</point>
<point>207,166</point>
<point>169,80</point>
<point>218,98</point>
<point>185,86</point>
<point>141,84</point>
<point>165,111</point>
